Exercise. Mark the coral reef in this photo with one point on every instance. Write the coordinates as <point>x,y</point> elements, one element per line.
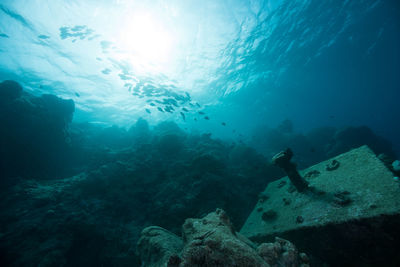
<point>120,181</point>
<point>78,194</point>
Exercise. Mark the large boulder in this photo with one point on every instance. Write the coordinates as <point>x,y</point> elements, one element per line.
<point>34,136</point>
<point>61,110</point>
<point>212,241</point>
<point>9,90</point>
<point>157,245</point>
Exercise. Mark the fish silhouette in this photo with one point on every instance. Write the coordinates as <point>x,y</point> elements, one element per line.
<point>183,116</point>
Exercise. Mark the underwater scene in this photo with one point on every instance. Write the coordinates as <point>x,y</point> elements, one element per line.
<point>199,133</point>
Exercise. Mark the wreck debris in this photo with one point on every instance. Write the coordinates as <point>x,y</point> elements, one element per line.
<point>333,165</point>
<point>269,215</point>
<point>299,219</point>
<point>357,203</point>
<point>312,174</point>
<point>282,159</point>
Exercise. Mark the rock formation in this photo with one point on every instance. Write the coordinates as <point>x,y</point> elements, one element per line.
<point>212,241</point>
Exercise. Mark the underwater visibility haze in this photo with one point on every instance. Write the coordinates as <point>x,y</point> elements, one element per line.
<point>120,114</point>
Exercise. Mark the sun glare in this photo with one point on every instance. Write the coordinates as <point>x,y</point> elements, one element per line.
<point>146,39</point>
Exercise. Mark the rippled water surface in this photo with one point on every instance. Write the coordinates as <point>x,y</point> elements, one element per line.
<point>243,63</point>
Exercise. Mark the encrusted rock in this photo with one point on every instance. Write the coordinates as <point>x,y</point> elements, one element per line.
<point>291,189</point>
<point>312,174</point>
<point>215,243</point>
<point>282,253</point>
<point>333,165</point>
<point>342,198</point>
<point>157,246</point>
<point>282,184</point>
<point>212,241</point>
<point>262,197</point>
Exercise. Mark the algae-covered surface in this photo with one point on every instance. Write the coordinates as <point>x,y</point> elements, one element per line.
<point>360,186</point>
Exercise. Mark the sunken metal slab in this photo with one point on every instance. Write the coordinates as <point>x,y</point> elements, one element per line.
<point>358,188</point>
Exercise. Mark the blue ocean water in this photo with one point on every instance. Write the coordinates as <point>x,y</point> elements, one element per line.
<point>246,63</point>
<point>120,114</point>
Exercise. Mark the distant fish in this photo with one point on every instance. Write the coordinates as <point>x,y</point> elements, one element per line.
<point>197,104</point>
<point>185,109</point>
<point>190,104</point>
<point>43,36</point>
<point>160,109</point>
<point>195,119</point>
<point>106,71</point>
<point>148,111</point>
<point>94,37</point>
<point>206,118</point>
<point>312,150</point>
<point>201,113</point>
<point>4,35</point>
<point>168,109</point>
<point>78,95</point>
<point>152,104</point>
<point>183,116</point>
<point>170,101</point>
<point>223,123</point>
<point>331,116</point>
